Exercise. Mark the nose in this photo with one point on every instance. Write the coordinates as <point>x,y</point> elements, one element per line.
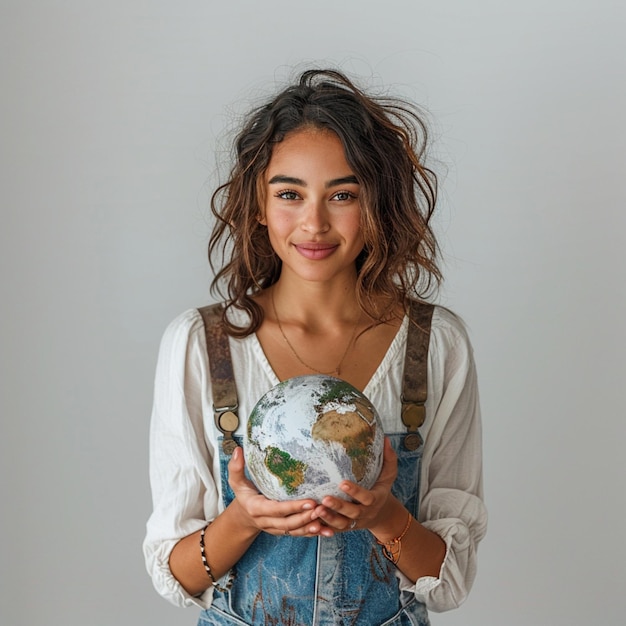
<point>315,217</point>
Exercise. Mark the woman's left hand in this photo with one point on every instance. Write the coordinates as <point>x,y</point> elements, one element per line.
<point>366,508</point>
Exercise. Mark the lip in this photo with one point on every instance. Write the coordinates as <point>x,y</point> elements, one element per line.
<point>315,251</point>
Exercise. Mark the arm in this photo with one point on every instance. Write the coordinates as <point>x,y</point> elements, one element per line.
<point>452,504</point>
<point>185,492</point>
<point>226,540</point>
<point>438,558</point>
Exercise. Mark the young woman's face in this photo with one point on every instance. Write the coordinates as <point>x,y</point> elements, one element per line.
<point>312,210</point>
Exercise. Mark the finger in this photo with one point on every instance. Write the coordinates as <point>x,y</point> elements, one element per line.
<point>349,508</point>
<point>332,518</point>
<point>335,520</point>
<point>236,467</point>
<point>236,463</point>
<point>358,496</point>
<point>271,513</point>
<point>266,517</point>
<point>296,526</point>
<point>389,468</point>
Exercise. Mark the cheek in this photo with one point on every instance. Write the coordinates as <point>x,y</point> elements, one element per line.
<point>352,225</point>
<point>279,229</point>
<point>280,223</point>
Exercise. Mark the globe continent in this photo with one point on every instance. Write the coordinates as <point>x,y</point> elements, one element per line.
<point>309,433</point>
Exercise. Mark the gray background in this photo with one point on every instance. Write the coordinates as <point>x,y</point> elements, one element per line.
<point>112,114</point>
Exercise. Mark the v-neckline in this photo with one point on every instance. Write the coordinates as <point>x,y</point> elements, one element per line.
<point>379,373</point>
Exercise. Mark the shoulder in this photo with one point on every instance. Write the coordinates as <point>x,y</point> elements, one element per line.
<point>445,324</point>
<point>182,328</point>
<point>448,323</point>
<point>188,329</point>
<point>450,344</point>
<point>183,340</point>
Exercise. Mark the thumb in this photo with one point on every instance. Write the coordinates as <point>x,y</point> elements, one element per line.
<point>236,463</point>
<point>389,469</point>
<point>237,478</point>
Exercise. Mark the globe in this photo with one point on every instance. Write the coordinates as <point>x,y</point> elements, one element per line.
<point>307,434</point>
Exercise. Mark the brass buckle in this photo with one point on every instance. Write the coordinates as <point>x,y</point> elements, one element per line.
<point>413,416</point>
<point>227,422</point>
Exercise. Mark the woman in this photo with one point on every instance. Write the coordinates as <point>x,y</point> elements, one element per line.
<point>324,232</point>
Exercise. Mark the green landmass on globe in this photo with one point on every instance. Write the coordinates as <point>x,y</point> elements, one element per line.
<point>289,471</point>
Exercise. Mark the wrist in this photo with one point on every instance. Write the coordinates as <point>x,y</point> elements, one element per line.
<point>393,519</point>
<point>392,550</point>
<point>240,521</point>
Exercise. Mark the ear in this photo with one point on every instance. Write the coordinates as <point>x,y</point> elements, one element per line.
<point>261,220</point>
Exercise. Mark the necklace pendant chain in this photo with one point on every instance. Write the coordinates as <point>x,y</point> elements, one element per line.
<point>337,371</point>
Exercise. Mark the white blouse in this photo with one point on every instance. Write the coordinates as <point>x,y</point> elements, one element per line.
<point>184,459</point>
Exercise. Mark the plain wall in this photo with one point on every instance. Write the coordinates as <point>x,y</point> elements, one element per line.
<point>112,115</point>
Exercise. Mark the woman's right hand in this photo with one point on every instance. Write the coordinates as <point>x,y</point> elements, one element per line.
<point>291,517</point>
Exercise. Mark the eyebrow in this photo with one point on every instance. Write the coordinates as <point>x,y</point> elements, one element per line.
<point>291,180</point>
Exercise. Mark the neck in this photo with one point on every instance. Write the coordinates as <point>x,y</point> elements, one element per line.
<point>316,304</point>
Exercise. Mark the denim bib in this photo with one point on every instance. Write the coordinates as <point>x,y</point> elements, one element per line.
<point>320,581</point>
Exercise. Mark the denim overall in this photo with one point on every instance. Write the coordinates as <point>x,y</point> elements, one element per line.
<point>342,580</point>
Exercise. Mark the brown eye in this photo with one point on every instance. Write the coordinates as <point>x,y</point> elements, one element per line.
<point>343,196</point>
<point>288,194</point>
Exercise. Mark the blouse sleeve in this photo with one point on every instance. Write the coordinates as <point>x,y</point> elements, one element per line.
<point>452,503</point>
<point>184,492</point>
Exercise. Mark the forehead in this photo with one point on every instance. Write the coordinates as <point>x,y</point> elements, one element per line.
<point>308,148</point>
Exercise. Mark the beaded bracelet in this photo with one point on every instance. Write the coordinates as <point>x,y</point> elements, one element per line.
<point>392,549</point>
<point>206,565</point>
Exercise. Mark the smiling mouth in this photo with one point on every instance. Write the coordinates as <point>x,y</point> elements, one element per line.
<point>315,251</point>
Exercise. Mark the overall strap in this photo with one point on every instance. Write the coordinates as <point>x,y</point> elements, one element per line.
<point>415,380</point>
<point>225,403</point>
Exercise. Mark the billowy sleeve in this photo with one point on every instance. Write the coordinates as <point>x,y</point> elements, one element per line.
<point>452,502</point>
<point>184,492</point>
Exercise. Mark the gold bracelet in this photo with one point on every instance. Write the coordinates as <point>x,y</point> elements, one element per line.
<point>393,548</point>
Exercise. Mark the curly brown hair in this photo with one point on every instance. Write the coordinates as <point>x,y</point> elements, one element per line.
<point>384,140</point>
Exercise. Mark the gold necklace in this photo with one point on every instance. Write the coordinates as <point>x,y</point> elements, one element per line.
<point>337,370</point>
